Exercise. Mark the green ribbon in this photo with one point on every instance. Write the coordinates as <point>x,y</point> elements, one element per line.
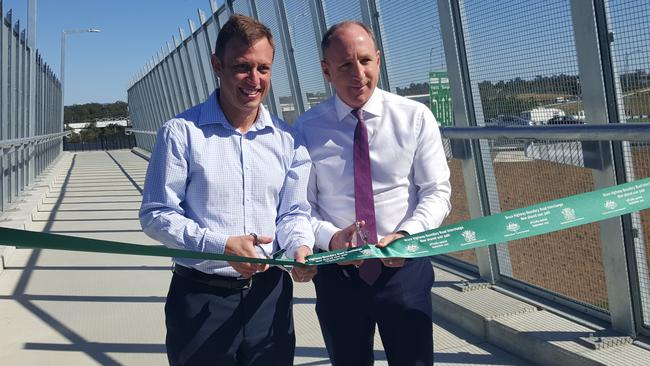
<point>538,219</point>
<point>542,218</point>
<point>33,239</point>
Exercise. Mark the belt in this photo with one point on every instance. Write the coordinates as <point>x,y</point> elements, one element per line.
<point>213,280</point>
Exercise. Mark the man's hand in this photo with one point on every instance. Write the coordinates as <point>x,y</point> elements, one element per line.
<point>342,239</point>
<point>303,273</point>
<point>244,246</point>
<point>384,242</point>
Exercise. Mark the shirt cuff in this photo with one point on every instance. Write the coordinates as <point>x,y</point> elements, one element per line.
<point>214,242</point>
<point>324,235</point>
<point>294,244</point>
<point>291,250</point>
<point>412,227</point>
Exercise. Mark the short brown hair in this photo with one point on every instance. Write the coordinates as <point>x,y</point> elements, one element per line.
<point>327,37</point>
<point>246,29</point>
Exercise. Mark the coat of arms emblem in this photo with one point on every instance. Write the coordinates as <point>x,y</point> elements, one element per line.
<point>412,248</point>
<point>512,227</point>
<point>569,214</point>
<point>469,235</point>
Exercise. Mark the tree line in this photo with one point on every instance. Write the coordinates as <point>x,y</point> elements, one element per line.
<point>568,85</point>
<point>91,112</point>
<point>92,133</point>
<point>511,97</point>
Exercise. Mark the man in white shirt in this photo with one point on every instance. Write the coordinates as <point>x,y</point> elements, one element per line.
<point>410,189</point>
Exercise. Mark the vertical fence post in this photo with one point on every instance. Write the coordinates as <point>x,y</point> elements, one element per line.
<point>31,37</point>
<point>204,92</point>
<point>597,79</point>
<point>162,81</point>
<point>4,121</point>
<point>320,27</point>
<point>173,80</point>
<point>208,47</point>
<point>270,98</point>
<point>180,72</point>
<point>158,105</point>
<point>464,115</point>
<point>20,110</point>
<point>215,18</point>
<point>370,16</point>
<point>187,68</point>
<point>12,105</point>
<point>289,59</point>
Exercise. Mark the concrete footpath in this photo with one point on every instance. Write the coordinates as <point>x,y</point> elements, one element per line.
<point>72,308</point>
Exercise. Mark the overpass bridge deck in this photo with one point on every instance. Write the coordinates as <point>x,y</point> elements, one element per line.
<point>59,307</point>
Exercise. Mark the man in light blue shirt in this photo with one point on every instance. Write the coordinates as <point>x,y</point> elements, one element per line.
<point>227,177</point>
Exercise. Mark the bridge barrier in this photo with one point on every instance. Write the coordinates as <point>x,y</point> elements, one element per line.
<point>30,113</point>
<point>502,59</point>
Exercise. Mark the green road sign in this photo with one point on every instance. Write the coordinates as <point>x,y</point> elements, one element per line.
<point>439,98</point>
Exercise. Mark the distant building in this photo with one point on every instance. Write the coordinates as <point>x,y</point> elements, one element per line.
<point>79,126</point>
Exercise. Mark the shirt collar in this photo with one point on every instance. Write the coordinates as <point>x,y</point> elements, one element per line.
<point>212,113</point>
<point>372,106</point>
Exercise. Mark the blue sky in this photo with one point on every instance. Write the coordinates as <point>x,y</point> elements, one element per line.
<point>99,66</point>
<point>535,37</point>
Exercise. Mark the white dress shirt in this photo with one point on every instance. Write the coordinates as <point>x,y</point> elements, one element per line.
<point>409,169</point>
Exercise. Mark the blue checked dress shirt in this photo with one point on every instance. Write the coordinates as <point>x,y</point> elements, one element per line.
<point>206,182</point>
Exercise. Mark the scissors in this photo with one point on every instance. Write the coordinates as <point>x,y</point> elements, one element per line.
<point>362,234</point>
<point>275,255</point>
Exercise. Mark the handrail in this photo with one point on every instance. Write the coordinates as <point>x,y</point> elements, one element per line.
<point>603,132</point>
<point>129,131</point>
<point>12,144</point>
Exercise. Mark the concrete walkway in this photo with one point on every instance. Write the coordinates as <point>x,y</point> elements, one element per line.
<point>71,308</point>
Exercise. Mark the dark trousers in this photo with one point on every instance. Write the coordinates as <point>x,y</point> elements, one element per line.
<point>399,303</point>
<point>215,326</point>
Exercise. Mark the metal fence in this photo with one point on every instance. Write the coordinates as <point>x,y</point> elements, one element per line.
<point>111,142</point>
<point>506,63</point>
<point>30,112</point>
<point>545,163</point>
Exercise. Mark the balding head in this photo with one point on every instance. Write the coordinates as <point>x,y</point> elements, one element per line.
<point>332,33</point>
<point>351,62</point>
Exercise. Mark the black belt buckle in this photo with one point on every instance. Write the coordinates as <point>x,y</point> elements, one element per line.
<point>230,283</point>
<point>237,283</point>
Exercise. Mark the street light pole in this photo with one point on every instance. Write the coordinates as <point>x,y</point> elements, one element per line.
<point>63,34</point>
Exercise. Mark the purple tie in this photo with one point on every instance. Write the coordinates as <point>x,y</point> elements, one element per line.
<point>364,202</point>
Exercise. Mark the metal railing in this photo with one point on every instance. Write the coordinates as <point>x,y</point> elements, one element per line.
<point>109,142</point>
<point>30,107</point>
<point>579,267</point>
<point>539,64</point>
<point>9,146</point>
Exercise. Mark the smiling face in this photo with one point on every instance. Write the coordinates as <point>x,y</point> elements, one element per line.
<point>351,64</point>
<point>245,78</point>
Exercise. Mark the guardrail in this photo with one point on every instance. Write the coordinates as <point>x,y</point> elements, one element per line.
<point>591,268</point>
<point>613,132</point>
<point>129,131</point>
<point>30,111</point>
<point>608,132</point>
<point>9,146</point>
